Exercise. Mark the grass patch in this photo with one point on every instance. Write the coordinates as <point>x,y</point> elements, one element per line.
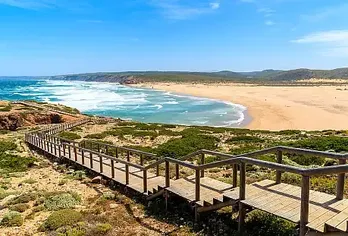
<point>6,145</point>
<point>245,139</point>
<point>187,144</point>
<point>97,136</point>
<point>6,108</point>
<point>259,224</point>
<point>15,163</point>
<point>69,135</point>
<point>23,198</point>
<point>12,219</point>
<point>62,201</point>
<point>61,218</point>
<point>21,207</point>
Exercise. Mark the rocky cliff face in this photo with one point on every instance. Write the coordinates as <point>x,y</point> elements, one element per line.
<point>15,120</point>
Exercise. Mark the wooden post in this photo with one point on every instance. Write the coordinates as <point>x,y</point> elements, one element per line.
<point>167,174</point>
<point>202,163</point>
<point>112,168</point>
<point>234,177</point>
<point>98,146</point>
<point>141,160</point>
<point>340,182</point>
<point>157,170</point>
<point>145,180</point>
<point>127,168</point>
<point>100,164</point>
<point>91,160</point>
<point>75,150</point>
<point>279,173</point>
<point>242,210</point>
<point>106,149</point>
<point>116,153</point>
<point>177,171</point>
<point>69,152</point>
<point>83,156</point>
<point>64,149</point>
<point>198,185</point>
<point>304,205</point>
<point>55,149</point>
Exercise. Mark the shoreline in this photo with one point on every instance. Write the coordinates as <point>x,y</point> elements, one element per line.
<point>277,107</point>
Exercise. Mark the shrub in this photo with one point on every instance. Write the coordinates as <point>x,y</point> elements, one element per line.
<point>97,136</point>
<point>61,201</point>
<point>101,229</point>
<point>69,135</point>
<point>259,224</point>
<point>289,132</point>
<point>6,108</point>
<point>12,219</point>
<point>23,198</point>
<point>186,144</point>
<point>61,218</point>
<point>169,126</point>
<point>38,208</point>
<point>109,196</point>
<point>15,163</point>
<point>244,138</point>
<point>6,145</point>
<point>337,144</point>
<point>21,207</point>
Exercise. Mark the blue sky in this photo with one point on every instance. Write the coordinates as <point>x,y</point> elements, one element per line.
<point>49,37</point>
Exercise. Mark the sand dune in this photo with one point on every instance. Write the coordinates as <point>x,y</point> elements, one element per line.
<point>278,107</point>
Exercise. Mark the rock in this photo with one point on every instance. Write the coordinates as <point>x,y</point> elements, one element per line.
<point>55,164</point>
<point>97,180</point>
<point>8,198</point>
<point>113,205</point>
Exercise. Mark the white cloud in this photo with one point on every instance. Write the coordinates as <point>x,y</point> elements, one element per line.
<point>29,4</point>
<point>181,10</point>
<point>269,23</point>
<point>327,43</point>
<point>328,12</point>
<point>214,5</point>
<point>334,36</point>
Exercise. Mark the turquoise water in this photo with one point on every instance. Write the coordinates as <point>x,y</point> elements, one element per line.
<point>109,99</point>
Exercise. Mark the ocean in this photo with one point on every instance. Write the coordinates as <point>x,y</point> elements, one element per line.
<point>115,100</point>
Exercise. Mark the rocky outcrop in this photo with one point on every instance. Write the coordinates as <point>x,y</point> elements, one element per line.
<point>15,120</point>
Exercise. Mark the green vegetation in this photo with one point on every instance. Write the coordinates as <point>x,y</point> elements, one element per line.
<point>23,198</point>
<point>61,218</point>
<point>15,163</point>
<point>259,224</point>
<point>6,108</point>
<point>12,219</point>
<point>245,138</point>
<point>69,135</point>
<point>62,201</point>
<point>6,145</point>
<point>20,207</point>
<point>187,144</point>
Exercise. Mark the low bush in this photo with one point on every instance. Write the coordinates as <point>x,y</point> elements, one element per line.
<point>101,229</point>
<point>245,138</point>
<point>337,144</point>
<point>12,219</point>
<point>260,224</point>
<point>6,145</point>
<point>15,163</point>
<point>21,207</point>
<point>6,108</point>
<point>61,218</point>
<point>97,136</point>
<point>69,135</point>
<point>187,144</point>
<point>23,198</point>
<point>61,201</point>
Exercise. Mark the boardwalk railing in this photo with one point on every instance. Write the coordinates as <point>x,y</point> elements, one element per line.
<point>46,140</point>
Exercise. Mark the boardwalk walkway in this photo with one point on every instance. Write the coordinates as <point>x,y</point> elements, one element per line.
<point>311,209</point>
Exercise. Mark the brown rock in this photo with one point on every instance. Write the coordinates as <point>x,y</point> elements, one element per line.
<point>97,180</point>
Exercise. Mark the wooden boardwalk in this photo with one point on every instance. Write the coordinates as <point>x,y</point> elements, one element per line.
<point>311,209</point>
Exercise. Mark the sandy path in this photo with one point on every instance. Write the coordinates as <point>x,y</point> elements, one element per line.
<point>277,108</point>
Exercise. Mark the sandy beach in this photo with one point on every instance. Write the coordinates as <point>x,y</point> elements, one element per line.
<point>277,107</point>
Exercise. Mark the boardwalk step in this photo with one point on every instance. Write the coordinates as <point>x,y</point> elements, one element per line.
<point>218,200</point>
<point>338,222</point>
